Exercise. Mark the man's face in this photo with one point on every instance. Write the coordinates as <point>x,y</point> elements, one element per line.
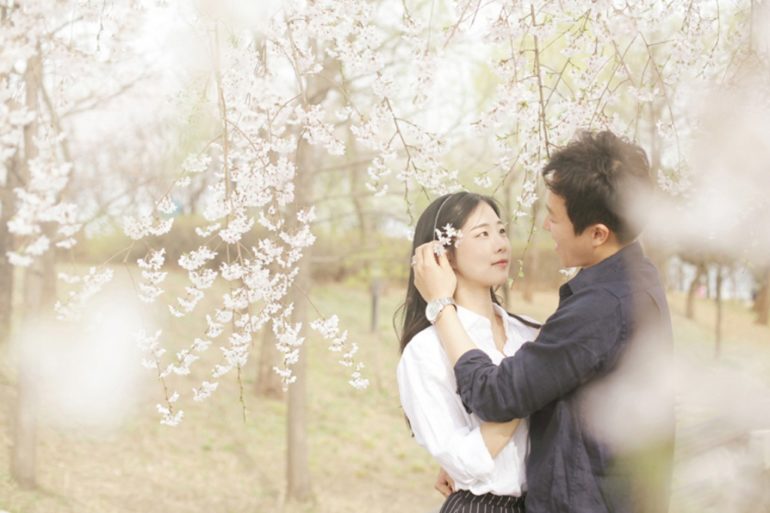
<point>573,250</point>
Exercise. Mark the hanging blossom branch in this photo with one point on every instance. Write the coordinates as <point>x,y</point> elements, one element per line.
<point>559,74</point>
<point>37,194</point>
<point>45,217</point>
<point>262,125</point>
<point>556,69</point>
<point>585,96</point>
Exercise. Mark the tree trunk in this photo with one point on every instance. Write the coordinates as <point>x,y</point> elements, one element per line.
<point>681,283</point>
<point>268,381</point>
<point>507,214</point>
<point>656,253</point>
<point>39,297</point>
<point>376,292</point>
<point>39,294</point>
<point>299,486</point>
<point>762,299</point>
<point>694,284</point>
<point>8,183</point>
<point>358,191</point>
<point>298,482</point>
<point>530,265</point>
<point>6,243</point>
<point>24,432</point>
<point>718,324</point>
<point>371,269</point>
<point>709,285</point>
<point>530,256</point>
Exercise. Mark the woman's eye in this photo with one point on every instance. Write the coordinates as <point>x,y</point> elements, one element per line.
<point>502,231</point>
<point>483,234</point>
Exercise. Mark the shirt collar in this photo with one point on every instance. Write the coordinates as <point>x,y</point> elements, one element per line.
<point>471,320</point>
<point>610,269</point>
<point>479,328</point>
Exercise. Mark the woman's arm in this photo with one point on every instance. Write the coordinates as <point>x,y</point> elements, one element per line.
<point>440,423</point>
<point>435,279</point>
<point>497,434</point>
<point>452,334</point>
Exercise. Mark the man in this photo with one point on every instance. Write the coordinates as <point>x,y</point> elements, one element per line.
<point>612,321</point>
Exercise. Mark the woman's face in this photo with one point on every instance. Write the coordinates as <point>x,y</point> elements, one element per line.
<point>483,255</point>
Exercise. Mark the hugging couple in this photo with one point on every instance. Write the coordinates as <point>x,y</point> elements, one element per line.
<point>549,418</point>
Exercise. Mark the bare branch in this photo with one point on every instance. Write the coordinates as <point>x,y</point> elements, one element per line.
<point>543,122</point>
<point>89,104</point>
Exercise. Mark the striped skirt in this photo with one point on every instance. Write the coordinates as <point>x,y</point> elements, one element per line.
<point>463,501</point>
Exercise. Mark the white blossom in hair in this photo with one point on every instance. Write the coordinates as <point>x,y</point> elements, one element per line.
<point>446,237</point>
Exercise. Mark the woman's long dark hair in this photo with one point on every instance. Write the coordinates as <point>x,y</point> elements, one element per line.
<point>451,209</point>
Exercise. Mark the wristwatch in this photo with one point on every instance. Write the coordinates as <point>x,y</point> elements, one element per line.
<point>434,308</point>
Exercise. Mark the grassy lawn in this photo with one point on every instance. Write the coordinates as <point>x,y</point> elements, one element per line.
<point>362,457</point>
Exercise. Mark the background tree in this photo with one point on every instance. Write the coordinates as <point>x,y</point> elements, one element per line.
<point>38,41</point>
<point>286,102</point>
<point>762,296</point>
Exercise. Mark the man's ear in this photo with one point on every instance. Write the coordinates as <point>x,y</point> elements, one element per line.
<point>599,234</point>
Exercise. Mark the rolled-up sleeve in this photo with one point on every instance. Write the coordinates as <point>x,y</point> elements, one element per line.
<point>438,421</point>
<point>572,347</point>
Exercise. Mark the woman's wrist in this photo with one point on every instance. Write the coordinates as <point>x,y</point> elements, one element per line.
<point>444,311</point>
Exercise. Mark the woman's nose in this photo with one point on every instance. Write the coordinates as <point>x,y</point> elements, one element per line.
<point>502,243</point>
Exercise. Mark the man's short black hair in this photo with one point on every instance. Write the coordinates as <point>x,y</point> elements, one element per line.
<point>598,175</point>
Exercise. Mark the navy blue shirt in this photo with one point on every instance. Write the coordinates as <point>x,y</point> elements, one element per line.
<point>603,311</point>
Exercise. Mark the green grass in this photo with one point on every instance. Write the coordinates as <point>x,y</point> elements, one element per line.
<point>361,454</point>
<point>360,450</point>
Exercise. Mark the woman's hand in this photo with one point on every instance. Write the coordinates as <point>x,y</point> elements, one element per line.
<point>434,277</point>
<point>444,484</point>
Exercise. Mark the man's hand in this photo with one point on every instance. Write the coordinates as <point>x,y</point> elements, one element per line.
<point>444,484</point>
<point>433,276</point>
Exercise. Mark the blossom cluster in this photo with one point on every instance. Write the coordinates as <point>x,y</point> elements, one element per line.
<point>41,66</point>
<point>325,83</point>
<point>447,236</point>
<point>151,265</point>
<point>329,329</point>
<point>89,284</point>
<point>41,220</point>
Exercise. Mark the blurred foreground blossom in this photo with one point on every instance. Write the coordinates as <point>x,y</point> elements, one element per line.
<point>82,374</point>
<point>725,212</point>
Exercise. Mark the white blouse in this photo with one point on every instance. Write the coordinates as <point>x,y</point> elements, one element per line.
<point>439,421</point>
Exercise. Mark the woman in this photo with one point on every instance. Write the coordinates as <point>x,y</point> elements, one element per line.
<point>484,459</point>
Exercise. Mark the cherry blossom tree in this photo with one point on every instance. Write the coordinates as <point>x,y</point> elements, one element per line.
<point>52,56</point>
<point>404,94</point>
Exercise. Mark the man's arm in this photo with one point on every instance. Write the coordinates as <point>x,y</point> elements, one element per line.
<point>570,349</point>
